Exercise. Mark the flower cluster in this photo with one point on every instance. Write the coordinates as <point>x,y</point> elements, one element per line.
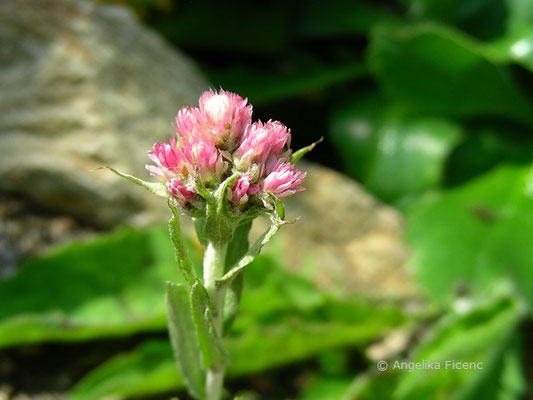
<point>218,139</point>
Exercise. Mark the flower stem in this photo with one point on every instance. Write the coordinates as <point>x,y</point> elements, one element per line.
<point>214,262</point>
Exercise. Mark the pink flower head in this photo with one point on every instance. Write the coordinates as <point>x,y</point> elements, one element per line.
<point>203,159</point>
<point>179,191</point>
<point>167,158</point>
<point>223,116</point>
<point>186,123</point>
<point>284,180</point>
<point>260,141</point>
<point>242,188</point>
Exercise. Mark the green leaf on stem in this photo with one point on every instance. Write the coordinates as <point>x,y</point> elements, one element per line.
<point>237,248</point>
<point>209,340</point>
<point>297,155</point>
<point>251,254</point>
<point>182,258</point>
<point>156,188</point>
<point>184,341</point>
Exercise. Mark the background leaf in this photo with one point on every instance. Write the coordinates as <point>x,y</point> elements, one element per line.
<point>394,152</point>
<point>475,235</point>
<point>465,83</point>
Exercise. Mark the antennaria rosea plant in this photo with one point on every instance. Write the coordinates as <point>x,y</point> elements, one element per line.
<point>223,170</point>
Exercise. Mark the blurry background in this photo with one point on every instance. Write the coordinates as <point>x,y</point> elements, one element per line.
<point>414,241</point>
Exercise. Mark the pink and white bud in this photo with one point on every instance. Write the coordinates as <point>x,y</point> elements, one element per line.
<point>242,188</point>
<point>284,180</point>
<point>260,142</point>
<point>203,159</point>
<point>179,191</point>
<point>186,122</point>
<point>167,158</point>
<point>223,116</point>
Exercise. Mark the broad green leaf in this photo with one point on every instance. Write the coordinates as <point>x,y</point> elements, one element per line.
<point>409,64</point>
<point>110,286</point>
<point>184,339</point>
<point>393,152</point>
<point>486,145</point>
<point>484,334</point>
<point>516,45</point>
<point>520,14</point>
<point>209,341</point>
<point>475,235</point>
<point>257,348</point>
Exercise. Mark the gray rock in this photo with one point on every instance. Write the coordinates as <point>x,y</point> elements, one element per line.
<point>84,85</point>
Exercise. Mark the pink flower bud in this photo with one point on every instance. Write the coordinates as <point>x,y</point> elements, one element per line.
<point>283,180</point>
<point>242,188</point>
<point>223,116</point>
<point>186,123</point>
<point>203,159</point>
<point>168,159</point>
<point>260,142</point>
<point>179,191</point>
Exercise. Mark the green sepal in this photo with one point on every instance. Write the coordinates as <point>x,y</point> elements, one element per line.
<point>209,340</point>
<point>157,188</point>
<point>220,193</point>
<point>182,331</point>
<point>303,151</point>
<point>237,248</point>
<point>279,207</point>
<point>182,257</point>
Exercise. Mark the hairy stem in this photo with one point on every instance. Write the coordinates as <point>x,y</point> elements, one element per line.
<point>214,262</point>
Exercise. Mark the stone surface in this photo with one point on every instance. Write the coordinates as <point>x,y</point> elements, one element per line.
<point>84,85</point>
<point>345,240</point>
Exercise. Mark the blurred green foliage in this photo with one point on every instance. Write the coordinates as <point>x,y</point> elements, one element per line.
<point>114,285</point>
<point>426,103</point>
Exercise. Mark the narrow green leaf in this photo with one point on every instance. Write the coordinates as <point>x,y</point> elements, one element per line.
<point>182,258</point>
<point>297,155</point>
<point>250,254</point>
<point>156,188</point>
<point>237,248</point>
<point>209,340</point>
<point>182,330</point>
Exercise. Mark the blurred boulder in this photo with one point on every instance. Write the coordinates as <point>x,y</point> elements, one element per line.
<point>84,85</point>
<point>345,240</point>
